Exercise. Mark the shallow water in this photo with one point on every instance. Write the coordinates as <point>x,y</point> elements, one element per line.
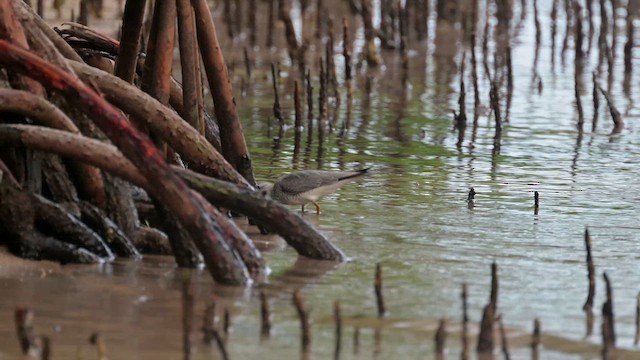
<point>410,214</point>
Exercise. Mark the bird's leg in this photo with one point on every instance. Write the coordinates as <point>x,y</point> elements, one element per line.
<point>317,207</point>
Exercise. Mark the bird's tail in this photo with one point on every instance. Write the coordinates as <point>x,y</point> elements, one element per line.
<point>355,174</point>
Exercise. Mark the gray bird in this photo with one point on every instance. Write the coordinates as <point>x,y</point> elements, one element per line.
<point>308,186</point>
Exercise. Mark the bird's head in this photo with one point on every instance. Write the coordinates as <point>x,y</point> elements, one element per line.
<point>264,189</point>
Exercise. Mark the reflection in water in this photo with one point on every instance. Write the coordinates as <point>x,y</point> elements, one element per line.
<point>554,30</point>
<point>365,111</point>
<point>302,273</point>
<point>596,102</point>
<point>276,145</point>
<point>576,156</point>
<point>295,161</point>
<point>460,120</point>
<point>377,342</point>
<point>321,144</point>
<point>187,312</point>
<point>445,68</point>
<point>309,94</point>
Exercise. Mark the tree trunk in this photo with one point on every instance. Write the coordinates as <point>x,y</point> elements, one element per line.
<point>299,234</point>
<point>223,264</point>
<point>189,60</point>
<point>184,139</point>
<point>127,59</point>
<point>234,147</point>
<point>18,215</point>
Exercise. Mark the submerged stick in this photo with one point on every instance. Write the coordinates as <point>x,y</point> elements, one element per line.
<point>270,23</point>
<point>188,304</point>
<point>554,31</point>
<point>26,334</point>
<point>332,77</point>
<point>46,348</point>
<point>494,285</point>
<point>322,95</point>
<point>252,22</point>
<point>320,11</point>
<point>485,337</point>
<point>510,84</point>
<point>237,21</point>
<point>596,102</point>
<point>403,27</point>
<point>356,340</point>
<point>465,324</point>
<point>209,323</point>
<point>536,20</point>
<point>226,323</point>
<point>295,50</point>
<point>474,79</point>
<point>461,118</point>
<point>337,315</point>
<point>590,13</point>
<point>297,105</point>
<point>346,52</point>
<point>603,47</point>
<point>440,339</point>
<point>636,338</point>
<point>265,316</point>
<point>211,333</point>
<point>494,95</point>
<point>101,346</point>
<point>576,93</point>
<point>378,290</point>
<point>277,110</point>
<point>309,101</point>
<point>305,323</point>
<point>221,346</point>
<point>608,324</point>
<point>535,340</point>
<point>614,32</point>
<point>567,33</point>
<point>485,44</point>
<point>579,35</point>
<point>588,305</point>
<point>628,46</point>
<point>618,123</point>
<point>370,51</point>
<point>503,339</point>
<point>422,16</point>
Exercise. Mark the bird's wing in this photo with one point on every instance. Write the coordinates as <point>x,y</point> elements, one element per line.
<point>303,181</point>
